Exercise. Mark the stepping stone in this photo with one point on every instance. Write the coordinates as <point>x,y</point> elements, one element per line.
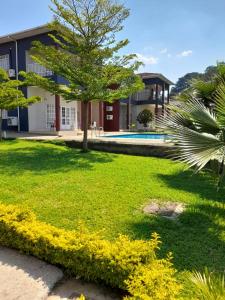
<point>25,277</point>
<point>169,210</point>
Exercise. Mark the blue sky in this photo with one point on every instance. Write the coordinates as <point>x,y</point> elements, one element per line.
<point>171,37</point>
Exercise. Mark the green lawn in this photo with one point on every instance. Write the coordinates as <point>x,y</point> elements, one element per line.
<point>107,191</point>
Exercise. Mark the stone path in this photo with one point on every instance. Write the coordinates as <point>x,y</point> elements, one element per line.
<point>27,278</point>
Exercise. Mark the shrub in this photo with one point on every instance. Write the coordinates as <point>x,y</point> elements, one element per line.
<point>122,264</point>
<point>145,117</point>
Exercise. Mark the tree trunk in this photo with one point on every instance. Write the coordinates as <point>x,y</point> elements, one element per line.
<point>85,126</point>
<point>1,133</point>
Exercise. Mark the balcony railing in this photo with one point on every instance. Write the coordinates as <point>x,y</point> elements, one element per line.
<point>142,95</point>
<point>38,69</point>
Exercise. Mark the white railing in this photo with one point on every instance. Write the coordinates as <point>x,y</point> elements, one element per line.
<point>38,69</point>
<point>142,95</point>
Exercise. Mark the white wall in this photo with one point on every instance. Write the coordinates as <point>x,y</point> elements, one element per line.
<point>136,109</point>
<point>37,112</point>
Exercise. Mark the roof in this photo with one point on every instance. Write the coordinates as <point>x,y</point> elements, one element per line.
<point>24,34</point>
<point>155,75</point>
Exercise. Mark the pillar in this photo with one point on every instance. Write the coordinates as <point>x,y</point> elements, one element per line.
<point>89,113</point>
<point>101,115</point>
<point>156,99</point>
<point>168,95</point>
<point>163,97</point>
<point>57,112</point>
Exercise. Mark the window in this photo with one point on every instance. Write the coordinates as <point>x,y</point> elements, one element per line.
<point>109,108</point>
<point>50,116</point>
<point>4,114</point>
<point>4,62</point>
<point>109,117</point>
<point>32,66</point>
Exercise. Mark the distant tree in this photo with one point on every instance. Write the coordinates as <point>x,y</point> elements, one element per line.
<point>11,96</point>
<point>205,89</point>
<point>184,82</point>
<point>86,54</point>
<point>145,117</point>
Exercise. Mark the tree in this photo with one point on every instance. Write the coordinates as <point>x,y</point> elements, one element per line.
<point>204,89</point>
<point>198,133</point>
<point>145,117</point>
<point>86,54</point>
<point>184,82</point>
<point>11,96</point>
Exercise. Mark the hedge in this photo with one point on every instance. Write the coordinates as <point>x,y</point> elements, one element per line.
<point>127,264</point>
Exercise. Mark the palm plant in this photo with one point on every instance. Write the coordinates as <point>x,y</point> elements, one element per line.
<point>198,132</point>
<point>208,285</point>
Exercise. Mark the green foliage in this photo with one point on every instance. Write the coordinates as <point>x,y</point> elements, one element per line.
<point>89,256</point>
<point>197,130</point>
<point>87,54</point>
<point>142,283</point>
<point>208,285</point>
<point>91,192</point>
<point>11,96</point>
<point>185,83</point>
<point>145,117</point>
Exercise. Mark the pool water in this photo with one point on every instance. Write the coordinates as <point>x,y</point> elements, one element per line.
<point>149,136</point>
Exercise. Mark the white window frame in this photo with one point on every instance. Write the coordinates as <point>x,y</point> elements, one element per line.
<point>50,116</point>
<point>4,62</point>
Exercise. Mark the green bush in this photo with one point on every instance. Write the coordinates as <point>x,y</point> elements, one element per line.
<point>145,117</point>
<point>122,264</point>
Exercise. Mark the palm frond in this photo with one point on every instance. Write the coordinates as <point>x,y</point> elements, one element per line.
<point>220,103</point>
<point>196,148</point>
<point>208,285</point>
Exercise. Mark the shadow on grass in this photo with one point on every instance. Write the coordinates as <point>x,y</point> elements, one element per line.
<point>197,238</point>
<point>44,157</point>
<point>203,184</point>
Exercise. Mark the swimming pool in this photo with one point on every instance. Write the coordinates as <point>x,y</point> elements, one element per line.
<point>148,136</point>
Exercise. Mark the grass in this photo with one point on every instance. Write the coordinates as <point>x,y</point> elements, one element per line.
<point>107,191</point>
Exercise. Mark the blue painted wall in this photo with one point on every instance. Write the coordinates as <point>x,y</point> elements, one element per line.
<point>23,46</point>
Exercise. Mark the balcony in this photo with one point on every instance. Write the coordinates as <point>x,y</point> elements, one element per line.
<point>144,95</point>
<point>38,69</point>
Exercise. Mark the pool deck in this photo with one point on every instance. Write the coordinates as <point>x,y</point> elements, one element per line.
<point>141,147</point>
<point>78,136</point>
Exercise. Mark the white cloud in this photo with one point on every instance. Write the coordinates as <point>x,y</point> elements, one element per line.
<point>164,51</point>
<point>169,55</point>
<point>147,60</point>
<point>185,53</point>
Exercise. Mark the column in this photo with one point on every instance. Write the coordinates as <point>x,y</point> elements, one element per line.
<point>168,95</point>
<point>57,112</point>
<point>101,116</point>
<point>163,97</point>
<point>156,99</point>
<point>89,113</point>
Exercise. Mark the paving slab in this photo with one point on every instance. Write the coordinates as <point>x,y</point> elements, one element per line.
<point>25,277</point>
<point>71,289</point>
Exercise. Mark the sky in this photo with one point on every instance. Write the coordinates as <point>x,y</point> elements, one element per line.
<point>172,37</point>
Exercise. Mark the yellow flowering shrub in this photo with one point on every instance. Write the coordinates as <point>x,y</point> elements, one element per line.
<point>123,263</point>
